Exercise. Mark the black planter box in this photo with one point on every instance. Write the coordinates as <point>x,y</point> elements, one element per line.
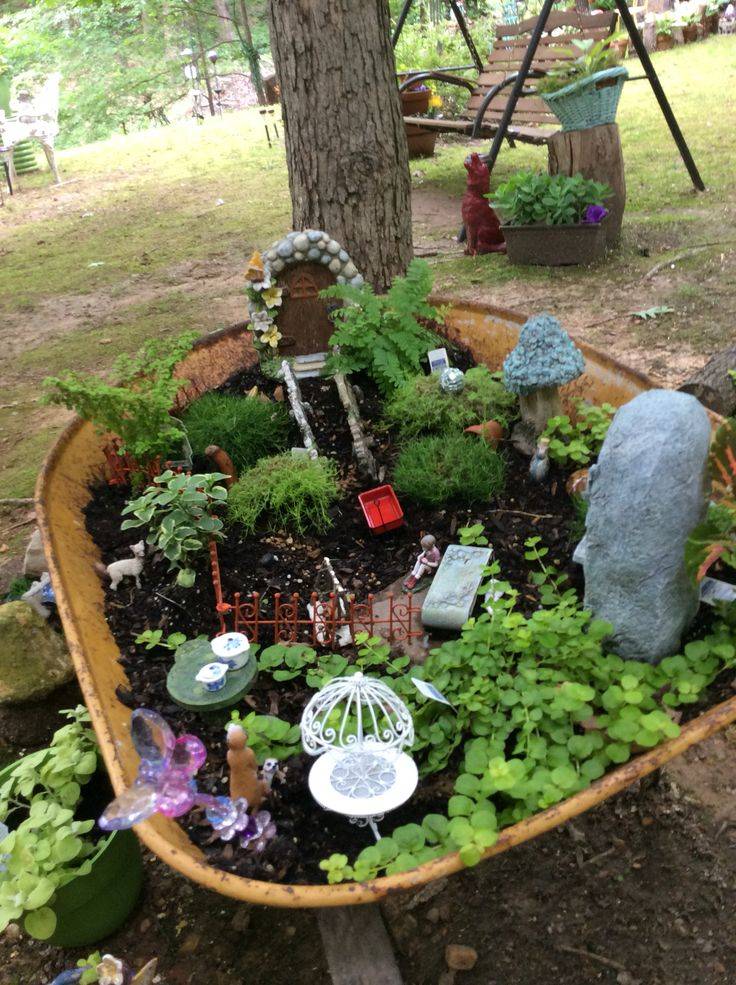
<point>555,246</point>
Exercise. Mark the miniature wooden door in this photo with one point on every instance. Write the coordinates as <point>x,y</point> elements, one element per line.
<point>303,319</point>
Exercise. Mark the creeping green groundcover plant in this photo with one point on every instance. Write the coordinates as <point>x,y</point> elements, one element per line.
<point>540,712</point>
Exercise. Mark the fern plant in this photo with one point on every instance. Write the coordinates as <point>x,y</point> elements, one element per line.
<point>384,335</point>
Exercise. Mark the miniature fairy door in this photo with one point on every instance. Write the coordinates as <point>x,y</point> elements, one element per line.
<point>303,319</point>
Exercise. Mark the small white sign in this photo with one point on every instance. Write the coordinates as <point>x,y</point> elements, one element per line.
<point>430,691</point>
<point>712,590</point>
<point>438,360</point>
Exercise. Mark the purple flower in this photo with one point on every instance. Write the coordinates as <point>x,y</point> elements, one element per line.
<point>595,213</point>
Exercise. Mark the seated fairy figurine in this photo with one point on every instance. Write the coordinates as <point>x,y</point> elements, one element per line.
<point>427,562</point>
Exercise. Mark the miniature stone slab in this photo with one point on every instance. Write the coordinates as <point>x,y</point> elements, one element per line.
<point>454,589</point>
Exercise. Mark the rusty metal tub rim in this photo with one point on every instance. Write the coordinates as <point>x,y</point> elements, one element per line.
<point>61,493</point>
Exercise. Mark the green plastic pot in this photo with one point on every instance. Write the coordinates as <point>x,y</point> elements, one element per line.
<point>91,907</point>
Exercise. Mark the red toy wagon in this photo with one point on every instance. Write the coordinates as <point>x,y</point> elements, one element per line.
<point>381,509</point>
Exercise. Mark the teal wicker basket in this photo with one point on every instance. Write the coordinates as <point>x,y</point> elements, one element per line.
<point>588,102</point>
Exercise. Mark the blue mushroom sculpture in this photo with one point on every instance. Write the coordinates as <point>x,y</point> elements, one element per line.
<point>544,359</point>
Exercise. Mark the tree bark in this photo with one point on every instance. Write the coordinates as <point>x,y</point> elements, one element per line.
<point>345,140</point>
<point>224,21</point>
<point>246,40</point>
<point>595,153</point>
<point>712,385</point>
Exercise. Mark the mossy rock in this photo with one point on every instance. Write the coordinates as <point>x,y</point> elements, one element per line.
<point>33,657</point>
<point>186,691</point>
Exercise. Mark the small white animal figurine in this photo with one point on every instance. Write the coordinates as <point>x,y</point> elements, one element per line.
<point>269,770</point>
<point>128,567</point>
<point>539,465</point>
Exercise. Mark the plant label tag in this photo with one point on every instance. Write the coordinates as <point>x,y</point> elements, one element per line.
<point>712,590</point>
<point>430,691</point>
<point>438,360</point>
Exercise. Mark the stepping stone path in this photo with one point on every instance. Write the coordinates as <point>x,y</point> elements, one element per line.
<point>454,590</point>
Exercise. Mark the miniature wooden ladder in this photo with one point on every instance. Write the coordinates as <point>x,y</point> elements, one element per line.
<point>357,946</point>
<point>362,452</point>
<point>298,408</point>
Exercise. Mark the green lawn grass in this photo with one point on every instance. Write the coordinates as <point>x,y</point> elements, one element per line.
<point>94,267</point>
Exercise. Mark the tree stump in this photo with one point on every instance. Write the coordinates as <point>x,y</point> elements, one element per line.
<point>712,385</point>
<point>595,153</point>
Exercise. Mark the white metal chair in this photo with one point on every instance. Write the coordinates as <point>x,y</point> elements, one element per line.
<point>35,118</point>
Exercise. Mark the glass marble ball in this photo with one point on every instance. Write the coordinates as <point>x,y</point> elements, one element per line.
<point>452,380</point>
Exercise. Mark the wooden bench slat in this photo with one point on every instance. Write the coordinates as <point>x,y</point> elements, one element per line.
<point>559,19</point>
<point>527,134</point>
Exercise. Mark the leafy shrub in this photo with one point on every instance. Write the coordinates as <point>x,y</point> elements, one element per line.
<point>246,427</point>
<point>578,442</point>
<point>136,409</point>
<point>421,407</point>
<point>177,509</point>
<point>451,468</point>
<point>528,198</point>
<point>285,493</point>
<point>428,46</point>
<point>48,847</point>
<point>383,335</point>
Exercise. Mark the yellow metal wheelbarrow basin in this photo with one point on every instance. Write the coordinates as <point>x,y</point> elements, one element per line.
<point>63,491</point>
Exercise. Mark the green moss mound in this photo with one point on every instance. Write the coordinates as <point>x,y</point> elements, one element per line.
<point>285,493</point>
<point>245,427</point>
<point>420,407</point>
<point>451,468</point>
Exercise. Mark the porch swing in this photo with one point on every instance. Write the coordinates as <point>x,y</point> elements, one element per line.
<point>501,105</point>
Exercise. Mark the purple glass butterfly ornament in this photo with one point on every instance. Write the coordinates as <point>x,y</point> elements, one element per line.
<point>165,785</point>
<point>165,782</point>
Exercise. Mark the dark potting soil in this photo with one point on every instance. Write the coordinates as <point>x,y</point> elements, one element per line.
<point>288,563</point>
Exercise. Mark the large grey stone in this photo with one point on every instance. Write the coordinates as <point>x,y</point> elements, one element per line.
<point>646,493</point>
<point>33,658</point>
<point>454,589</point>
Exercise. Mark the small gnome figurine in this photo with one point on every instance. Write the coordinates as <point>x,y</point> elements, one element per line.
<point>241,759</point>
<point>258,277</point>
<point>539,465</point>
<point>427,562</point>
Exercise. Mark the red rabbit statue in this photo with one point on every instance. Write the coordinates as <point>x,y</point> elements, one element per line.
<point>482,227</point>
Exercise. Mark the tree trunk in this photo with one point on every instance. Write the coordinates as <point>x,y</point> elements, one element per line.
<point>246,40</point>
<point>712,385</point>
<point>224,21</point>
<point>595,153</point>
<point>345,141</point>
